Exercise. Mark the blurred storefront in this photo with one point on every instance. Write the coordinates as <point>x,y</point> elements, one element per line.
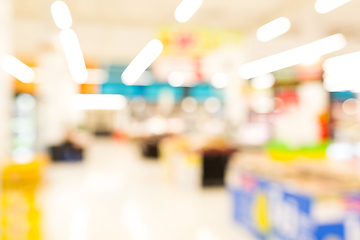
<point>179,120</point>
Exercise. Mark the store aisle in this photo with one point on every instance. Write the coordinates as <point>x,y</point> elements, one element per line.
<point>115,194</point>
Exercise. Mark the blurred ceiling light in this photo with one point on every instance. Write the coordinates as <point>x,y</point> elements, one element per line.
<point>342,82</point>
<point>263,82</point>
<point>18,69</point>
<point>187,9</point>
<point>273,29</point>
<point>98,102</point>
<point>74,56</point>
<point>325,6</point>
<point>61,14</point>
<point>176,79</point>
<point>351,106</point>
<point>189,104</point>
<point>141,62</point>
<point>219,80</point>
<point>342,63</point>
<point>292,57</point>
<point>212,105</point>
<point>342,73</point>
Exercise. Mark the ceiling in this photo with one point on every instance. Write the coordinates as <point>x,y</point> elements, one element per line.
<point>244,15</point>
<point>241,14</point>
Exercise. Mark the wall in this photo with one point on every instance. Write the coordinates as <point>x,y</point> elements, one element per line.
<point>98,42</point>
<point>5,87</point>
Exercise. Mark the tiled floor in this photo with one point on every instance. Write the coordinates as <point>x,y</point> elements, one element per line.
<point>115,194</point>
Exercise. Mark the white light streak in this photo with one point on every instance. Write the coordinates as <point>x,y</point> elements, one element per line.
<point>74,56</point>
<point>61,14</point>
<point>342,73</point>
<point>273,29</point>
<point>187,9</point>
<point>18,69</point>
<point>292,57</point>
<point>141,62</point>
<point>325,6</point>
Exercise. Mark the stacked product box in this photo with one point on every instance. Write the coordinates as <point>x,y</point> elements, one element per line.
<point>181,161</point>
<point>20,215</point>
<point>295,201</point>
<point>195,160</point>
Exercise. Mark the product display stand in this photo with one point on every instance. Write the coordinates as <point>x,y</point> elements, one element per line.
<point>150,146</point>
<point>295,200</point>
<point>213,167</point>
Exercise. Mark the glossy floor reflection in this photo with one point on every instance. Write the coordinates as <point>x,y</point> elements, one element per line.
<point>115,194</point>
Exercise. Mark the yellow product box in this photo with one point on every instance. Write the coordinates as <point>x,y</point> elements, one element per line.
<point>20,218</point>
<point>194,159</point>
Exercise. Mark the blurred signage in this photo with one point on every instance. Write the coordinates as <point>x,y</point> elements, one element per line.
<point>299,73</point>
<point>286,75</point>
<point>20,87</point>
<point>309,72</point>
<point>189,67</point>
<point>196,41</point>
<point>89,88</point>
